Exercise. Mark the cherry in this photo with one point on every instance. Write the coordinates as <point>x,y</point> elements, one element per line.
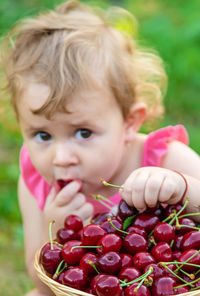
<point>133,290</point>
<point>141,259</point>
<point>76,278</point>
<point>173,208</point>
<point>100,217</point>
<point>172,267</point>
<point>86,263</point>
<point>63,235</point>
<point>109,242</point>
<point>157,270</point>
<point>137,229</point>
<point>147,221</point>
<point>50,257</point>
<point>157,210</point>
<point>125,211</point>
<point>134,243</point>
<point>94,282</point>
<point>73,222</point>
<point>195,260</point>
<point>72,255</point>
<point>126,259</point>
<point>110,229</point>
<point>108,285</point>
<point>177,242</point>
<point>128,274</point>
<point>176,254</point>
<point>162,252</point>
<point>109,263</point>
<point>163,286</point>
<point>91,234</point>
<point>185,221</point>
<point>181,290</point>
<point>191,240</point>
<point>164,232</point>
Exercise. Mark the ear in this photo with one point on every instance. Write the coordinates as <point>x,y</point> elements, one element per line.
<point>134,120</point>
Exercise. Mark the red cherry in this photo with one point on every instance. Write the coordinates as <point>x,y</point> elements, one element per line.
<point>100,217</point>
<point>91,234</point>
<point>86,263</point>
<point>109,242</point>
<point>172,267</point>
<point>110,229</point>
<point>126,259</point>
<point>173,208</point>
<point>134,243</point>
<point>70,255</point>
<point>50,259</point>
<point>63,235</point>
<point>76,278</point>
<point>128,274</point>
<point>176,254</point>
<point>137,229</point>
<point>109,263</point>
<point>191,240</point>
<point>163,286</point>
<point>125,211</point>
<point>147,221</point>
<point>164,232</point>
<point>157,270</point>
<point>108,285</point>
<point>177,242</point>
<point>195,260</point>
<point>181,290</point>
<point>94,282</point>
<point>185,221</point>
<point>162,252</point>
<point>133,291</point>
<point>73,222</point>
<point>141,259</point>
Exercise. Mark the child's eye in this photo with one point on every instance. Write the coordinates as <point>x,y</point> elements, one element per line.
<point>83,133</point>
<point>43,137</point>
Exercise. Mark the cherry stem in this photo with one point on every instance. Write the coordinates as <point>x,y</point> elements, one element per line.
<point>169,217</point>
<point>110,221</point>
<point>182,263</point>
<point>189,214</point>
<point>109,184</point>
<point>144,276</point>
<point>97,197</point>
<point>93,265</point>
<point>186,262</point>
<point>187,226</point>
<point>85,247</point>
<point>165,266</point>
<point>50,233</point>
<point>59,269</point>
<point>190,275</point>
<point>183,285</point>
<point>149,271</point>
<point>177,214</point>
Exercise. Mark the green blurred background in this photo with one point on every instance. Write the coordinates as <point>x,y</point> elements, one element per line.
<point>170,27</point>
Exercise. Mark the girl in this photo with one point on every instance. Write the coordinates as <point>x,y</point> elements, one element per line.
<point>81,90</point>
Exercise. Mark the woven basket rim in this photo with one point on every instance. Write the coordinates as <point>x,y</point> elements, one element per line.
<point>66,290</point>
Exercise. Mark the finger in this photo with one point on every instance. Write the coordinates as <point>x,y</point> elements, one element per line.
<point>138,191</point>
<point>67,194</point>
<point>126,192</point>
<point>167,190</point>
<point>152,189</point>
<point>86,211</point>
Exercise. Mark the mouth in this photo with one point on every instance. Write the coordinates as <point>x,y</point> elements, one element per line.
<point>60,183</point>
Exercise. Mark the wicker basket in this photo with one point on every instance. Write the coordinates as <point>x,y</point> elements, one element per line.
<point>62,290</point>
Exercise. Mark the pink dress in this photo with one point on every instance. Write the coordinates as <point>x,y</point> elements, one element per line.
<point>155,147</point>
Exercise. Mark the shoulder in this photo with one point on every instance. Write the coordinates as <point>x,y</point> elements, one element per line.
<point>182,157</point>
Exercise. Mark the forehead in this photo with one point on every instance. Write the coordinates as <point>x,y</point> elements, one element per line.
<point>91,99</point>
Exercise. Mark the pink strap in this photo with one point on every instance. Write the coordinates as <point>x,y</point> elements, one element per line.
<point>156,145</point>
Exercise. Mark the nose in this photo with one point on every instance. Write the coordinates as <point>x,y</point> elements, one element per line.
<point>64,155</point>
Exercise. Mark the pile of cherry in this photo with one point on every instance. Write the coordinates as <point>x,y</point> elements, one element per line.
<point>156,252</point>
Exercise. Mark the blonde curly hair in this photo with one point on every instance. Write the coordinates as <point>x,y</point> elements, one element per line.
<point>77,46</point>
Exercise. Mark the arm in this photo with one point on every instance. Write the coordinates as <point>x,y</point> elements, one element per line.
<point>149,185</point>
<point>33,232</point>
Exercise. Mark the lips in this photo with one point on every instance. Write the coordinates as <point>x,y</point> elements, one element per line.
<point>60,184</point>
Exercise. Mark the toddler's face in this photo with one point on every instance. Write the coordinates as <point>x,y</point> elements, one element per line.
<point>86,144</point>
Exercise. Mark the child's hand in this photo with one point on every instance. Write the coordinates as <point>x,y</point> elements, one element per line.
<point>66,202</point>
<point>147,186</point>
